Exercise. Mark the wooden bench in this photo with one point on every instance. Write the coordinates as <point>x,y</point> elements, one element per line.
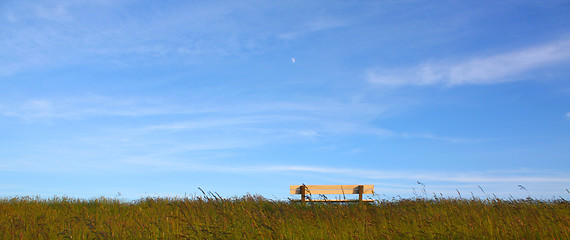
<point>305,190</point>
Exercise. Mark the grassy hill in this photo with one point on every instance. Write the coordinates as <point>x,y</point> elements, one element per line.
<point>254,217</point>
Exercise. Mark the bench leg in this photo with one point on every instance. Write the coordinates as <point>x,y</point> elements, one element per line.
<point>303,191</point>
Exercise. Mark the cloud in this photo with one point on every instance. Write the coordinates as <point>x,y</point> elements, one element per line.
<point>101,33</point>
<point>53,13</point>
<point>112,34</point>
<point>275,119</point>
<point>466,177</point>
<point>79,107</point>
<point>308,133</point>
<point>436,137</point>
<point>492,69</point>
<point>316,25</point>
<point>205,124</point>
<point>507,176</point>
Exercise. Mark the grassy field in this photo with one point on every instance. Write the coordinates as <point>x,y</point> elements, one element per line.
<point>253,217</point>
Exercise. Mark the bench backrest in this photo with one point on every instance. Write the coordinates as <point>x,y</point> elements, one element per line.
<point>332,189</point>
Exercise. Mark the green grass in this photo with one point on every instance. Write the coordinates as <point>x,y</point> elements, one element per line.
<point>253,217</point>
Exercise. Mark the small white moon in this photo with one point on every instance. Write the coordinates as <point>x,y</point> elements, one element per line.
<point>293,60</point>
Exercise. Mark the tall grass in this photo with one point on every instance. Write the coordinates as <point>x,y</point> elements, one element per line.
<point>254,217</point>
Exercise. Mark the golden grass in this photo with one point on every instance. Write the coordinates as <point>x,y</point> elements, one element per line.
<point>254,217</point>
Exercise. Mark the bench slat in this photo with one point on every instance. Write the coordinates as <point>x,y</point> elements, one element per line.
<point>335,200</point>
<point>331,186</point>
<point>330,191</point>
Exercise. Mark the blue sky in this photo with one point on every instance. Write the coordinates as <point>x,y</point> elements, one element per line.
<point>158,98</point>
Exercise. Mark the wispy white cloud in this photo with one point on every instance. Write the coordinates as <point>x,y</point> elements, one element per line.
<point>199,131</point>
<point>315,25</point>
<point>41,35</point>
<point>435,137</point>
<point>79,107</point>
<point>468,177</point>
<point>26,11</point>
<point>58,12</point>
<point>204,124</point>
<point>98,32</point>
<point>498,68</point>
<point>310,119</point>
<point>507,176</point>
